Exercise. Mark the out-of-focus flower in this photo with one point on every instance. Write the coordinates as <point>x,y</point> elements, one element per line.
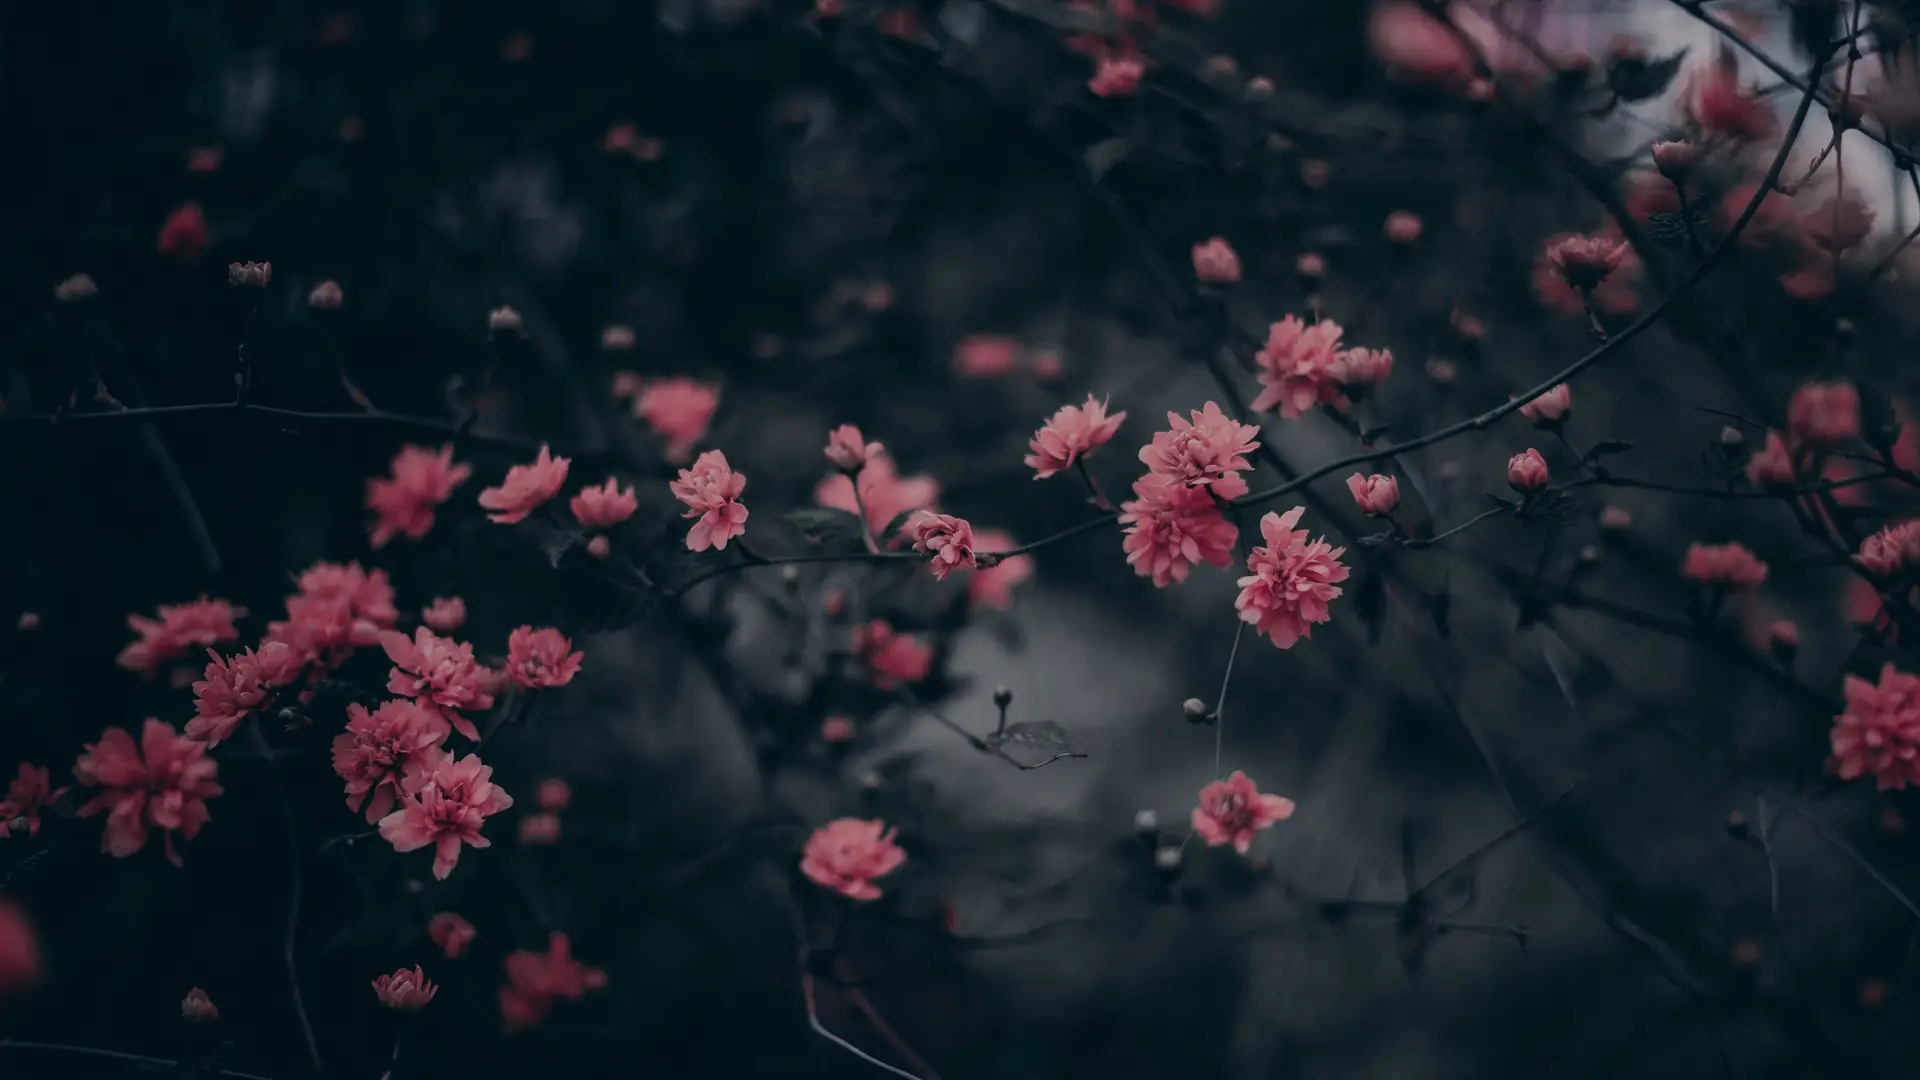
<point>1879,733</point>
<point>1207,451</point>
<point>451,933</point>
<point>1298,367</point>
<point>1357,369</point>
<point>1730,566</point>
<point>326,296</point>
<point>837,729</point>
<point>440,673</point>
<point>1675,158</point>
<point>885,494</point>
<point>553,794</point>
<point>946,540</point>
<point>544,657</point>
<point>28,794</point>
<point>446,614</point>
<point>75,288</point>
<point>448,802</point>
<point>849,854</point>
<point>235,687</point>
<point>1117,76</point>
<point>1215,262</point>
<point>1586,261</point>
<point>1612,292</point>
<point>604,506</point>
<point>617,338</point>
<point>1403,227</point>
<point>340,607</point>
<point>250,275</point>
<point>183,235</point>
<point>540,829</point>
<point>1170,528</point>
<point>711,490</point>
<point>1289,580</point>
<point>1615,519</point>
<point>992,586</point>
<point>372,755</point>
<point>1233,811</point>
<point>1715,101</point>
<point>1772,466</point>
<point>1376,494</point>
<point>892,659</point>
<point>19,950</point>
<point>986,356</point>
<point>404,502</point>
<point>405,991</point>
<point>526,488</point>
<point>678,409</point>
<point>178,630</point>
<point>535,981</point>
<point>504,320</point>
<point>1892,551</point>
<point>1073,432</point>
<point>1821,414</point>
<point>849,451</point>
<point>1550,408</point>
<point>163,782</point>
<point>198,1008</point>
<point>1838,224</point>
<point>1527,472</point>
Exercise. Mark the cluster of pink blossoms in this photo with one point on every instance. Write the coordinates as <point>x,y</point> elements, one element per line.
<point>403,504</point>
<point>537,981</point>
<point>238,686</point>
<point>892,659</point>
<point>1171,528</point>
<point>1289,580</point>
<point>1729,566</point>
<point>337,609</point>
<point>441,674</point>
<point>177,632</point>
<point>711,491</point>
<point>382,748</point>
<point>1879,733</point>
<point>849,854</point>
<point>1209,451</point>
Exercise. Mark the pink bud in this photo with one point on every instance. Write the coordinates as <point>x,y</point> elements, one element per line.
<point>325,296</point>
<point>1527,473</point>
<point>1674,159</point>
<point>1215,262</point>
<point>1376,494</point>
<point>503,320</point>
<point>1403,227</point>
<point>848,450</point>
<point>198,1008</point>
<point>837,729</point>
<point>617,338</point>
<point>1549,408</point>
<point>600,547</point>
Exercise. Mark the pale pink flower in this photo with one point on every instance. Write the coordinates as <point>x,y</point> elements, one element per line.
<point>446,614</point>
<point>1073,432</point>
<point>525,488</point>
<point>1171,527</point>
<point>849,451</point>
<point>1403,227</point>
<point>404,502</point>
<point>1879,733</point>
<point>373,753</point>
<point>543,657</point>
<point>28,622</point>
<point>1047,365</point>
<point>198,1008</point>
<point>945,539</point>
<point>1713,99</point>
<point>986,356</point>
<point>892,659</point>
<point>405,991</point>
<point>1311,264</point>
<point>163,782</point>
<point>837,729</point>
<point>1207,452</point>
<point>178,630</point>
<point>441,673</point>
<point>1838,224</point>
<point>628,384</point>
<point>1298,367</point>
<point>447,803</point>
<point>1357,369</point>
<point>1527,472</point>
<point>536,980</point>
<point>711,490</point>
<point>1772,465</point>
<point>847,855</point>
<point>1613,295</point>
<point>553,794</point>
<point>885,493</point>
<point>1729,566</point>
<point>992,586</point>
<point>1821,414</point>
<point>451,933</point>
<point>28,794</point>
<point>1215,262</point>
<point>1117,76</point>
<point>1675,159</point>
<point>1616,519</point>
<point>605,506</point>
<point>1893,550</point>
<point>678,409</point>
<point>1551,407</point>
<point>235,687</point>
<point>618,337</point>
<point>599,547</point>
<point>540,829</point>
<point>19,949</point>
<point>1376,494</point>
<point>1231,811</point>
<point>1290,581</point>
<point>1585,261</point>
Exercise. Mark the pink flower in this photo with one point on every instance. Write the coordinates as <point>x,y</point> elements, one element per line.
<point>628,384</point>
<point>1613,295</point>
<point>1290,581</point>
<point>986,356</point>
<point>884,492</point>
<point>605,506</point>
<point>536,980</point>
<point>678,409</point>
<point>1585,261</point>
<point>180,629</point>
<point>198,1008</point>
<point>540,829</point>
<point>1893,550</point>
<point>183,235</point>
<point>441,673</point>
<point>163,782</point>
<point>1549,408</point>
<point>945,539</point>
<point>1208,452</point>
<point>1215,262</point>
<point>1675,159</point>
<point>1116,76</point>
<point>1356,369</point>
<point>27,795</point>
<point>338,608</point>
<point>1783,636</point>
<point>403,503</point>
<point>238,686</point>
<point>837,729</point>
<point>1822,414</point>
<point>1298,367</point>
<point>1376,494</point>
<point>373,753</point>
<point>992,586</point>
<point>1231,811</point>
<point>448,802</point>
<point>1838,224</point>
<point>847,855</point>
<point>1714,100</point>
<point>19,950</point>
<point>1727,565</point>
<point>1879,733</point>
<point>1527,473</point>
<point>1772,465</point>
<point>1073,432</point>
<point>405,991</point>
<point>711,490</point>
<point>1403,227</point>
<point>446,614</point>
<point>1170,528</point>
<point>525,488</point>
<point>892,659</point>
<point>849,451</point>
<point>553,794</point>
<point>543,657</point>
<point>451,933</point>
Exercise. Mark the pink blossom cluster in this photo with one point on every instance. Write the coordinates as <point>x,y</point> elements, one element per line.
<point>337,609</point>
<point>177,631</point>
<point>1306,364</point>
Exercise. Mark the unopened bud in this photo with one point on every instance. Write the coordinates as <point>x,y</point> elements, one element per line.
<point>1738,826</point>
<point>617,338</point>
<point>1589,555</point>
<point>325,296</point>
<point>599,547</point>
<point>1674,159</point>
<point>503,320</point>
<point>249,275</point>
<point>1615,519</point>
<point>1730,436</point>
<point>1146,821</point>
<point>1167,859</point>
<point>789,576</point>
<point>1002,697</point>
<point>77,287</point>
<point>1195,709</point>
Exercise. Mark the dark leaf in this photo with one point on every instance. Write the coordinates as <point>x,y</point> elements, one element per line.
<point>1815,24</point>
<point>1372,434</point>
<point>896,526</point>
<point>1606,447</point>
<point>1440,606</point>
<point>1038,738</point>
<point>1670,229</point>
<point>1879,424</point>
<point>1102,156</point>
<point>1635,78</point>
<point>824,524</point>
